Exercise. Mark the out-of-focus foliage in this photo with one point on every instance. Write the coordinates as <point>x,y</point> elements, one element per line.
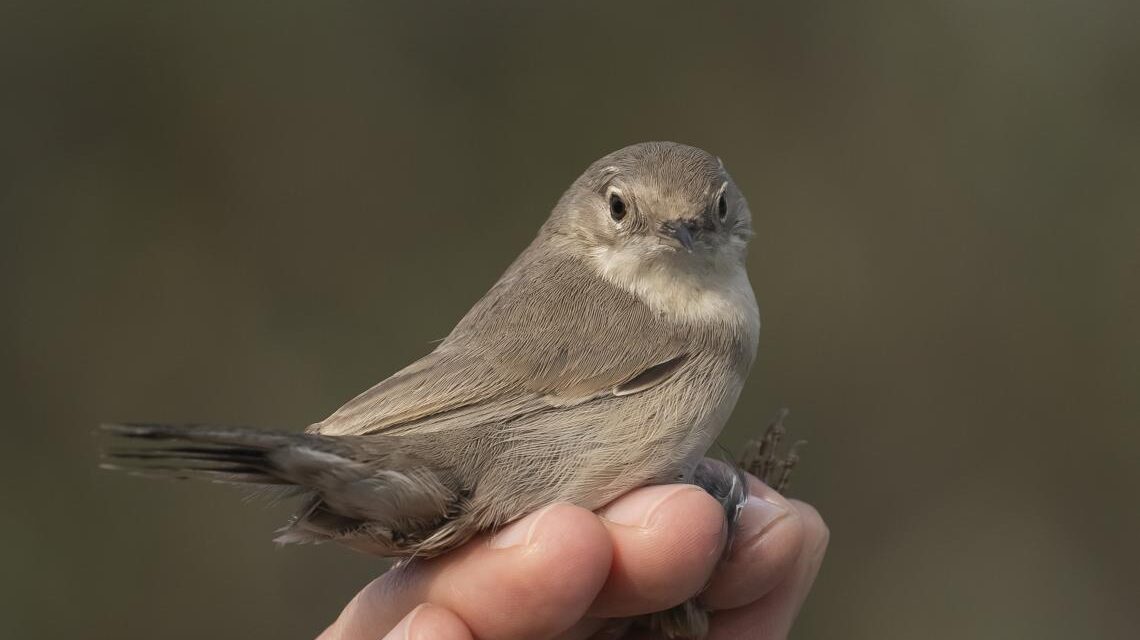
<point>247,212</point>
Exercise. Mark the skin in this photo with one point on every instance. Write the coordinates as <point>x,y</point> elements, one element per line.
<point>567,573</point>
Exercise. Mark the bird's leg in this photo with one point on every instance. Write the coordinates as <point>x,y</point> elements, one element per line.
<point>728,484</point>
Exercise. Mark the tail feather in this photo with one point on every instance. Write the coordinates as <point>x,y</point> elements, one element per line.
<point>186,453</point>
<point>221,474</point>
<point>237,437</point>
<point>227,454</point>
<point>366,491</point>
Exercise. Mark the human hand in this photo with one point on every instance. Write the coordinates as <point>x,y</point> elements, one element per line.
<point>566,573</point>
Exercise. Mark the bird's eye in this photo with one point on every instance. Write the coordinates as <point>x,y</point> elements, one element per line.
<point>617,207</point>
<point>722,208</point>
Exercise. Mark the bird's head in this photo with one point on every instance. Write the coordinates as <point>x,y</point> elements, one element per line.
<point>657,202</point>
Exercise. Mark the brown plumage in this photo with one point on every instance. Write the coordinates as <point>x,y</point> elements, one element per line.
<point>607,357</point>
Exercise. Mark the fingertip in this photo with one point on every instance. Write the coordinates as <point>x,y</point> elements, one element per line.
<point>540,583</point>
<point>817,533</point>
<point>529,584</point>
<point>367,612</point>
<point>770,537</point>
<point>756,565</point>
<point>667,541</point>
<point>757,487</point>
<point>772,614</point>
<point>430,622</point>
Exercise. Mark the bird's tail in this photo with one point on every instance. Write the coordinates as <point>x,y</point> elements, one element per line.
<point>235,455</point>
<point>366,491</point>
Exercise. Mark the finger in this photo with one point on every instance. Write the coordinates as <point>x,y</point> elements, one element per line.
<point>769,537</point>
<point>666,540</point>
<point>533,579</point>
<point>430,622</point>
<point>771,617</point>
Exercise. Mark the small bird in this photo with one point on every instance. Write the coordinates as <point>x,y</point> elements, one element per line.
<point>607,357</point>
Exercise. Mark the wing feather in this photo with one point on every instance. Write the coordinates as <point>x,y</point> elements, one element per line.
<point>550,333</point>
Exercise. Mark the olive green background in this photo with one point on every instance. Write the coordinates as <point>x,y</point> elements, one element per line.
<point>244,212</point>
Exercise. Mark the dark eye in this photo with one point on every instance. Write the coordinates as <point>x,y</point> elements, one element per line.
<point>722,208</point>
<point>617,207</point>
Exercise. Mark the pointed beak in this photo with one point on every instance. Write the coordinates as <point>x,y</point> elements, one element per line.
<point>684,236</point>
<point>681,231</point>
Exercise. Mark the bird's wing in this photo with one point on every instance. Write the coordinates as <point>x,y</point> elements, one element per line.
<point>549,334</point>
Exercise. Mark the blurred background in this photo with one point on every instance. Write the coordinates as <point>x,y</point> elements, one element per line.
<point>244,212</point>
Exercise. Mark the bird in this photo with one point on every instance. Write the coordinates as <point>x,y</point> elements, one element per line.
<point>608,356</point>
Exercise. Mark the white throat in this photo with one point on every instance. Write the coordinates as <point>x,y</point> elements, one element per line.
<point>714,290</point>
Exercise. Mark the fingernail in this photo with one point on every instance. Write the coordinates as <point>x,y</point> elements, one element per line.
<point>637,509</point>
<point>519,533</point>
<point>757,516</point>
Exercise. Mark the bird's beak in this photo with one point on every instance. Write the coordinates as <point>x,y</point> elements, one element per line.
<point>684,236</point>
<point>681,231</point>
